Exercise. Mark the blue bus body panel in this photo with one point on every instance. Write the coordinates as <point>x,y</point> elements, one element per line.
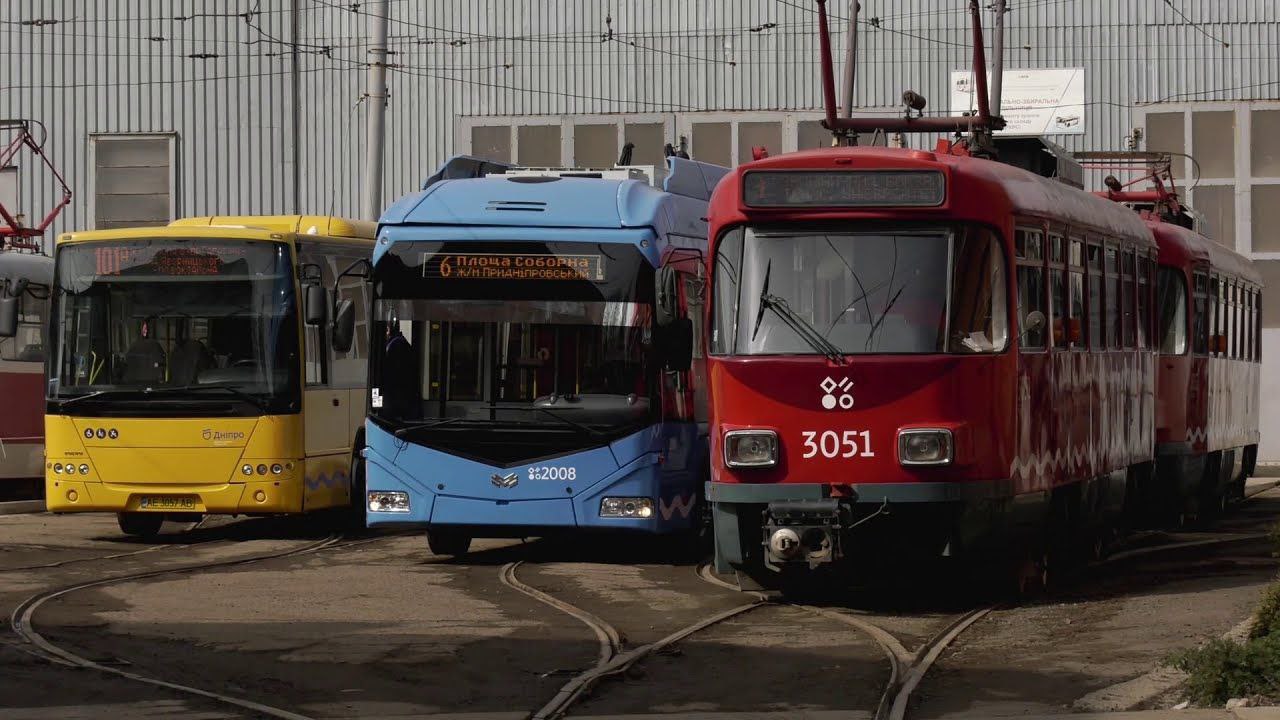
<point>660,462</point>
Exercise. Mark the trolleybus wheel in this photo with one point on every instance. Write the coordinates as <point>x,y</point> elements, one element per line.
<point>448,542</point>
<point>140,524</point>
<point>356,503</point>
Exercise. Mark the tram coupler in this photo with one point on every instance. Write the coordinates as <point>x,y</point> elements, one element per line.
<point>804,531</point>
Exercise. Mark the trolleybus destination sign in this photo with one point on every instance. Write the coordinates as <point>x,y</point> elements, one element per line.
<point>843,188</point>
<point>512,266</point>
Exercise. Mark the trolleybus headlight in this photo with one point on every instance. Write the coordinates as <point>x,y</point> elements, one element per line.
<point>57,468</point>
<point>626,507</point>
<point>751,448</point>
<point>276,468</point>
<point>84,469</point>
<point>925,447</point>
<point>247,469</point>
<point>388,501</point>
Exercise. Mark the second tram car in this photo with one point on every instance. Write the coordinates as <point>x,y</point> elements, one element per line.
<point>26,278</point>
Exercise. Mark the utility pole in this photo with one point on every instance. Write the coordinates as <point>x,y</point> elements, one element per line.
<point>295,115</point>
<point>375,111</point>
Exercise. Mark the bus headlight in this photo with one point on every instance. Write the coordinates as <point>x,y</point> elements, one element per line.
<point>388,501</point>
<point>276,468</point>
<point>925,447</point>
<point>247,469</point>
<point>626,507</point>
<point>84,469</point>
<point>57,468</point>
<point>751,448</point>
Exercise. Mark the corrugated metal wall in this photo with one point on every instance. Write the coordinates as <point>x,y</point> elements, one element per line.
<point>127,66</point>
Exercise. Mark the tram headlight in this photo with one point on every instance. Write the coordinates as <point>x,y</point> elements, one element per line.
<point>926,446</point>
<point>626,507</point>
<point>388,501</point>
<point>750,448</point>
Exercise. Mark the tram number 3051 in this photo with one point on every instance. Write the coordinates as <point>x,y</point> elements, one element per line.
<point>837,444</point>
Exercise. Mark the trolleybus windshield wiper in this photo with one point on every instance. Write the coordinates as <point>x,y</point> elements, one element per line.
<point>808,333</point>
<point>401,432</point>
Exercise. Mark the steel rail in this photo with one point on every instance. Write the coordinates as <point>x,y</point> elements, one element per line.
<point>21,623</point>
<point>610,641</point>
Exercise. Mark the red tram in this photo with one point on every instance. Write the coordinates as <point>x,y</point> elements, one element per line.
<point>1208,306</point>
<point>917,352</point>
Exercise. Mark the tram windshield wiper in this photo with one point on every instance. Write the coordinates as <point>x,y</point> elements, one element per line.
<point>808,333</point>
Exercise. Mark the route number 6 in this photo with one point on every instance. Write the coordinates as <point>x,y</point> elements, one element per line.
<point>831,444</point>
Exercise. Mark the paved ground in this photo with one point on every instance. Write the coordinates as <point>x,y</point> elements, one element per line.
<point>374,626</point>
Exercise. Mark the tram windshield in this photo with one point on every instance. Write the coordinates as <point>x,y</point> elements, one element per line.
<point>886,290</point>
<point>184,322</point>
<point>531,335</point>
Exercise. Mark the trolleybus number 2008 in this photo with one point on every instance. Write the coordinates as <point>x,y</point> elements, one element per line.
<point>832,444</point>
<point>552,472</point>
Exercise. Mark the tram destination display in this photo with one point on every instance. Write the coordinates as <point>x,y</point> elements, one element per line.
<point>843,188</point>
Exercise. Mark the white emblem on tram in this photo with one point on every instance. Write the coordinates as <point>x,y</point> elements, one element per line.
<point>837,393</point>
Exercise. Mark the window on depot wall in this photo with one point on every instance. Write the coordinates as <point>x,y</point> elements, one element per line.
<point>133,180</point>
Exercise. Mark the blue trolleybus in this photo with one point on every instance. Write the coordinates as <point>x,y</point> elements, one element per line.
<point>535,362</point>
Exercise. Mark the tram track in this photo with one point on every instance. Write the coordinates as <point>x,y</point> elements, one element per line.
<point>22,622</point>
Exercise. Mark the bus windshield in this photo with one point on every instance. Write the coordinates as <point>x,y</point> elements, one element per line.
<point>536,336</point>
<point>198,322</point>
<point>886,290</point>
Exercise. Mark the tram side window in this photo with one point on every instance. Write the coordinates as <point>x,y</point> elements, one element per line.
<point>725,314</point>
<point>979,311</point>
<point>1215,319</point>
<point>1096,340</point>
<point>1171,306</point>
<point>1144,301</point>
<point>1200,314</point>
<point>28,344</point>
<point>1114,298</point>
<point>1233,295</point>
<point>1128,318</point>
<point>1257,326</point>
<point>1031,291</point>
<point>1076,289</point>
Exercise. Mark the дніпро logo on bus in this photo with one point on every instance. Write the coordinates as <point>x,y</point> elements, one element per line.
<point>221,435</point>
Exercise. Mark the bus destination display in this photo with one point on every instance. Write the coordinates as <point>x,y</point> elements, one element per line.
<point>843,188</point>
<point>128,260</point>
<point>512,266</point>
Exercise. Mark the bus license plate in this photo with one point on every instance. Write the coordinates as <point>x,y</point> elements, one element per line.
<point>167,502</point>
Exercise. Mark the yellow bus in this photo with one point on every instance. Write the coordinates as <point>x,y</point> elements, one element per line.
<point>189,372</point>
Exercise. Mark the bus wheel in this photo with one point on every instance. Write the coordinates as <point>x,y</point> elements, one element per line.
<point>448,542</point>
<point>140,524</point>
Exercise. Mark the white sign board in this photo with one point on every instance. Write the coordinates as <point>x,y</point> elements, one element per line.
<point>8,191</point>
<point>1035,101</point>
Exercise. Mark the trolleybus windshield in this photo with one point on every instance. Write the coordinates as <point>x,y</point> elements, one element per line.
<point>194,321</point>
<point>904,290</point>
<point>539,336</point>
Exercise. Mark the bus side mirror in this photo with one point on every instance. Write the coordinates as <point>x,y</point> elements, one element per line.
<point>677,345</point>
<point>344,326</point>
<point>315,302</point>
<point>8,316</point>
<point>666,300</point>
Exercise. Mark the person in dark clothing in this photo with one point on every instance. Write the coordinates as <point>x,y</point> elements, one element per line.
<point>400,387</point>
<point>145,360</point>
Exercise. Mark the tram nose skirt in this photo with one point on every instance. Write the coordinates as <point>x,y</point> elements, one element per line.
<point>804,531</point>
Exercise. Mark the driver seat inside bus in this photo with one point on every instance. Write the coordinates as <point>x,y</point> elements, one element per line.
<point>145,360</point>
